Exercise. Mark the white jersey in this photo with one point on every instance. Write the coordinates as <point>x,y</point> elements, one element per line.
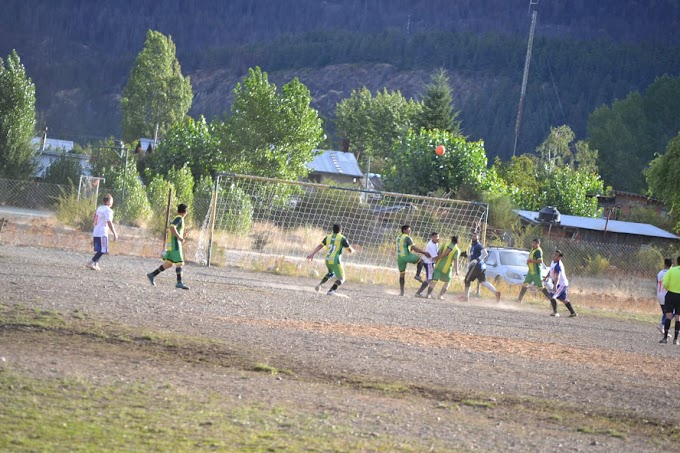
<point>433,250</point>
<point>561,279</point>
<point>103,215</point>
<point>660,290</point>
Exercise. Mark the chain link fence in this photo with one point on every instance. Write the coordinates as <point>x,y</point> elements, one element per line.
<point>31,195</point>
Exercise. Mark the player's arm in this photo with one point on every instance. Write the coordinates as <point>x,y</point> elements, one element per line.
<point>348,246</point>
<point>310,257</point>
<point>421,251</point>
<point>173,230</point>
<point>113,230</point>
<point>442,255</point>
<point>455,263</point>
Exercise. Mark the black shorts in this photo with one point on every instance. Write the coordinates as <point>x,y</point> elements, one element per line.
<point>672,302</point>
<point>475,274</point>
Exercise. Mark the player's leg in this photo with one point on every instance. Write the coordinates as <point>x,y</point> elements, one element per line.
<point>178,272</point>
<point>325,278</point>
<point>429,272</point>
<point>567,303</point>
<point>489,286</point>
<point>663,318</point>
<point>667,321</point>
<point>339,271</point>
<point>677,329</point>
<point>163,267</point>
<point>401,264</point>
<point>419,270</point>
<point>98,249</point>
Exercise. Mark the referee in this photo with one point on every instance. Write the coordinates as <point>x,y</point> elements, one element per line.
<point>671,282</point>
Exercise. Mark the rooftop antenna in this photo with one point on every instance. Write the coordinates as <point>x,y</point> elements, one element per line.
<point>533,8</point>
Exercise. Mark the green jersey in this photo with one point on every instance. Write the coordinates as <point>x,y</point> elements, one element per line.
<point>404,243</point>
<point>335,242</point>
<point>535,254</point>
<point>444,264</point>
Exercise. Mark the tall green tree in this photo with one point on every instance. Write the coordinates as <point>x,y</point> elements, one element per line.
<point>413,167</point>
<point>156,93</point>
<point>437,101</point>
<point>662,177</point>
<point>270,133</point>
<point>17,120</point>
<point>373,125</point>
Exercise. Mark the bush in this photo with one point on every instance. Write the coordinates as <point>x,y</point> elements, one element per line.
<point>135,209</point>
<point>76,213</point>
<point>65,170</point>
<point>157,194</point>
<point>235,211</point>
<point>597,266</point>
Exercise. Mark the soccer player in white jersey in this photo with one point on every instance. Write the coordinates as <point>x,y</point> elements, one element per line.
<point>432,249</point>
<point>560,284</point>
<point>661,291</point>
<point>103,223</point>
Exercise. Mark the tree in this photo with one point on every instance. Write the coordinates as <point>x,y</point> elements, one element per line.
<point>413,166</point>
<point>17,120</point>
<point>156,94</point>
<point>65,170</point>
<point>187,142</point>
<point>270,133</point>
<point>437,104</point>
<point>373,125</point>
<point>663,175</point>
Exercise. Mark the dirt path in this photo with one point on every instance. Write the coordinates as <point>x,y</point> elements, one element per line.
<point>512,354</point>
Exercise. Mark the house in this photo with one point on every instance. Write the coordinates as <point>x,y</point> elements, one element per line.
<point>621,203</point>
<point>339,166</point>
<point>49,150</point>
<point>601,230</point>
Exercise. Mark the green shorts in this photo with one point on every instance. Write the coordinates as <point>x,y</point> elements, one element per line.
<point>336,269</point>
<point>440,276</point>
<point>536,279</point>
<point>174,256</point>
<point>402,261</point>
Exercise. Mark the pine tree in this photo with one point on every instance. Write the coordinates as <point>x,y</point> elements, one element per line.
<point>438,105</point>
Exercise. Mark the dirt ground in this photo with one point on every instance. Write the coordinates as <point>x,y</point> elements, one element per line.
<point>524,362</point>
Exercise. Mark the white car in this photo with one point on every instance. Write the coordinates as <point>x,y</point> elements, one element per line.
<point>510,265</point>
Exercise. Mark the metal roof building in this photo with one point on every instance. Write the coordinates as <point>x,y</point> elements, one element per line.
<point>337,165</point>
<point>600,229</point>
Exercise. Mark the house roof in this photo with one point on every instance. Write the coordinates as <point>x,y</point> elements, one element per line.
<point>53,144</point>
<point>598,224</point>
<point>335,163</point>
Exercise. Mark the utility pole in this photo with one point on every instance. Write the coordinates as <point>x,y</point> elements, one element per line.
<point>533,8</point>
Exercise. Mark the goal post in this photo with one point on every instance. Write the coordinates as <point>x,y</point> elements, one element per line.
<point>254,217</point>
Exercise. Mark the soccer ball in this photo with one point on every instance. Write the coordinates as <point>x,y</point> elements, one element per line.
<point>440,150</point>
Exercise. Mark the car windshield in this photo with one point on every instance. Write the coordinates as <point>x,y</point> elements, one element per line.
<point>514,257</point>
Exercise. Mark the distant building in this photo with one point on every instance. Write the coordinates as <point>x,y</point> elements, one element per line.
<point>601,230</point>
<point>49,150</point>
<point>621,203</point>
<point>339,166</point>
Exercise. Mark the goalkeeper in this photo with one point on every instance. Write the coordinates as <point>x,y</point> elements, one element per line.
<point>335,242</point>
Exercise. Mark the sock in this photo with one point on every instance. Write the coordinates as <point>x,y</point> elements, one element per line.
<point>546,293</point>
<point>402,282</point>
<point>677,328</point>
<point>467,292</point>
<point>489,286</point>
<point>666,327</point>
<point>442,292</point>
<point>178,271</point>
<point>336,285</point>
<point>158,271</point>
<point>569,307</point>
<point>553,304</point>
<point>424,285</point>
<point>323,280</point>
<point>419,268</point>
<point>429,290</point>
<point>521,293</point>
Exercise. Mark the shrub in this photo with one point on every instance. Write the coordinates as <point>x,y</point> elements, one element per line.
<point>74,212</point>
<point>157,194</point>
<point>235,211</point>
<point>597,265</point>
<point>135,209</point>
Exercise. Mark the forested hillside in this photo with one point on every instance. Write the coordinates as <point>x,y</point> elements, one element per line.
<point>586,54</point>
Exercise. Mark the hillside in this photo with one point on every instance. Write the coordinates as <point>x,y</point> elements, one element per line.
<point>79,55</point>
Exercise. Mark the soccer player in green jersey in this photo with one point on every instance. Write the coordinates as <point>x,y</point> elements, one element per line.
<point>534,275</point>
<point>446,262</point>
<point>405,255</point>
<point>176,235</point>
<point>671,281</point>
<point>335,242</point>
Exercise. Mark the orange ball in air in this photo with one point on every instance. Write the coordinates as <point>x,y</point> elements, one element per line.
<point>440,150</point>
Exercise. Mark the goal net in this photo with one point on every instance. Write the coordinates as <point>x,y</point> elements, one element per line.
<point>88,188</point>
<point>253,217</point>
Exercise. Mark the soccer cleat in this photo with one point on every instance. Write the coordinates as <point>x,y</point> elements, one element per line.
<point>317,288</point>
<point>676,342</point>
<point>660,328</point>
<point>573,315</point>
<point>419,278</point>
<point>91,265</point>
<point>181,285</point>
<point>150,276</point>
<point>441,298</point>
<point>330,293</point>
<point>401,294</point>
<point>664,340</point>
<point>498,296</point>
<point>555,314</point>
<point>96,267</point>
